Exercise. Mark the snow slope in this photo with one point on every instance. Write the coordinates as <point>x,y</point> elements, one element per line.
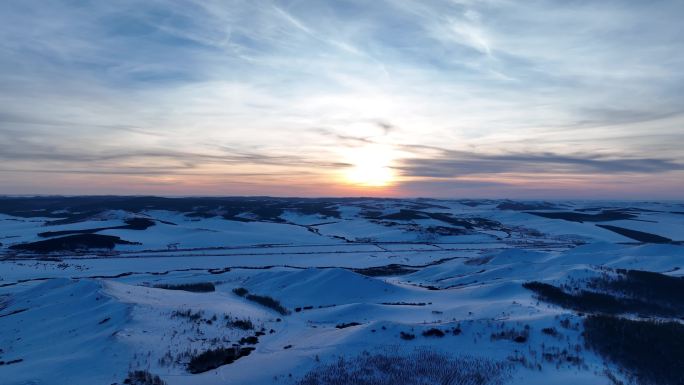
<point>349,281</point>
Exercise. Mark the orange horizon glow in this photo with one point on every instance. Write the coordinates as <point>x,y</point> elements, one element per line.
<point>335,184</point>
<point>370,166</point>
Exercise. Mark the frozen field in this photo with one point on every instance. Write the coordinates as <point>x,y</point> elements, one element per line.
<point>281,290</point>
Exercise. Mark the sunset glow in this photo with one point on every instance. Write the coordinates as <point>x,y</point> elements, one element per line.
<point>370,167</point>
<point>329,98</point>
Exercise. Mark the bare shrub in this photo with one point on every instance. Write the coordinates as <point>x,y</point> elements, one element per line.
<point>519,336</point>
<point>241,291</point>
<point>420,367</point>
<point>212,359</point>
<point>189,314</point>
<point>237,323</point>
<point>433,333</point>
<point>263,300</point>
<point>407,336</point>
<point>197,287</point>
<point>347,325</point>
<point>143,377</point>
<point>251,340</point>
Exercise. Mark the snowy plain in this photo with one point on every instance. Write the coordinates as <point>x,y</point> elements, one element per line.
<point>353,275</point>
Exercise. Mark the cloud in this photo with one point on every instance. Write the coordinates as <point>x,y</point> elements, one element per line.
<point>285,87</point>
<point>22,153</point>
<point>450,164</point>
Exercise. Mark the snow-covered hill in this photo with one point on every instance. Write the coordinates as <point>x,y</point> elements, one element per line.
<point>95,288</point>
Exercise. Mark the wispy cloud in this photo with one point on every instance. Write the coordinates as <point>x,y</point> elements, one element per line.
<point>450,164</point>
<point>250,88</point>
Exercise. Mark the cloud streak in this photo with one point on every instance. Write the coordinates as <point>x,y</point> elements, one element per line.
<point>451,164</point>
<point>288,88</point>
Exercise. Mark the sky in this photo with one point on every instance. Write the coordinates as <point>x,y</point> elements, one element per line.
<point>528,99</point>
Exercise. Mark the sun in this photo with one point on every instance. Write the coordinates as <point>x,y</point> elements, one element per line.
<point>370,167</point>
